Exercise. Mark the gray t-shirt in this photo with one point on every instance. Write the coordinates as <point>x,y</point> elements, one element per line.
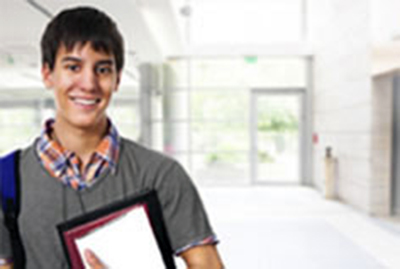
<point>47,202</point>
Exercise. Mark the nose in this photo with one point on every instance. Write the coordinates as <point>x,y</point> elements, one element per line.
<point>88,80</point>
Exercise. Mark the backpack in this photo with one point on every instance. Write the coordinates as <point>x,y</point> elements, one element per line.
<point>10,192</point>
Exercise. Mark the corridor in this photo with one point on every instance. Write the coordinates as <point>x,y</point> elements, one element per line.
<point>294,227</point>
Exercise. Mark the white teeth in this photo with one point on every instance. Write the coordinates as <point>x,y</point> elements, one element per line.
<point>85,102</point>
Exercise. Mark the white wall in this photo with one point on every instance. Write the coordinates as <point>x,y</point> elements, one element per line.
<point>385,20</point>
<point>339,32</point>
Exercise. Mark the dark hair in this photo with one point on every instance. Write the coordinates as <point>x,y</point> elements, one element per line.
<point>77,26</point>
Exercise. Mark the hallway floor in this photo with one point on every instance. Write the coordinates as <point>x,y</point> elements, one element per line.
<point>294,227</point>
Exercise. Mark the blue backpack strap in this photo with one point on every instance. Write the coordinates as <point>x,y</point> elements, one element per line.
<point>8,187</point>
<point>10,201</point>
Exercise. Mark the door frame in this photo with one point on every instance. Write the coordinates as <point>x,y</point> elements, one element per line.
<point>303,124</point>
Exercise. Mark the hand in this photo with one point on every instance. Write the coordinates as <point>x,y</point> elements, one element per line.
<point>93,261</point>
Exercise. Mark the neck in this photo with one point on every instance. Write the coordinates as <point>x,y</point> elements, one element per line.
<point>82,141</point>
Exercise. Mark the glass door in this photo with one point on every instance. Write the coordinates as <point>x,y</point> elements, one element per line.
<point>276,135</point>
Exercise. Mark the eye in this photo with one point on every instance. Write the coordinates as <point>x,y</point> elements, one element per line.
<point>102,70</point>
<point>72,67</point>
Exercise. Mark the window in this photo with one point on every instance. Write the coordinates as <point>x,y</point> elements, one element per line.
<point>206,113</point>
<point>125,116</point>
<point>19,125</point>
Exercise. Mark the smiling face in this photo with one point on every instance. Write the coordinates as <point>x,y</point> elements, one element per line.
<point>83,81</point>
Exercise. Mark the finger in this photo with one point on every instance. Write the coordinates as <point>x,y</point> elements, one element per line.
<point>93,260</point>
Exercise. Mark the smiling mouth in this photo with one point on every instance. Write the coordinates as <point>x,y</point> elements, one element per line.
<point>85,102</point>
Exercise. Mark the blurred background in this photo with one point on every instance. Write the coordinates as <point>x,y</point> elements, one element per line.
<point>284,112</point>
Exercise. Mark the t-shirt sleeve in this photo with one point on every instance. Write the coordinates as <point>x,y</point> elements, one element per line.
<point>185,217</point>
<point>5,244</point>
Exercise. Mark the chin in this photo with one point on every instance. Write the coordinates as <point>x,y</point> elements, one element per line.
<point>86,122</point>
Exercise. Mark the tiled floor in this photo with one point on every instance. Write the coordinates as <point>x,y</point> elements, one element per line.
<point>294,227</point>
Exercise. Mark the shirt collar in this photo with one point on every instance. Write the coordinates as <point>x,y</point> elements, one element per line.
<point>57,156</point>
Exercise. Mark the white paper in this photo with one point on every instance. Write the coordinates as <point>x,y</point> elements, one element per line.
<point>126,242</point>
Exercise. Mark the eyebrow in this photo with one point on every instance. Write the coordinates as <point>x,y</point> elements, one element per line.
<point>105,62</point>
<point>70,58</point>
<point>75,59</point>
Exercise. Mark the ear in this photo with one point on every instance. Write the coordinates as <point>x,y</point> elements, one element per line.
<point>47,76</point>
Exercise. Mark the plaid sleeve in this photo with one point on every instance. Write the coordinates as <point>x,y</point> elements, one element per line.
<point>210,240</point>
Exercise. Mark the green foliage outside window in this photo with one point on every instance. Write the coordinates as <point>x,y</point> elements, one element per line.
<point>278,122</point>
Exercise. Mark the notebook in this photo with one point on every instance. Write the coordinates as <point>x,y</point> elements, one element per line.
<point>127,234</point>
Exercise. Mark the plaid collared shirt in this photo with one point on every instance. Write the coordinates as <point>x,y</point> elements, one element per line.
<point>65,165</point>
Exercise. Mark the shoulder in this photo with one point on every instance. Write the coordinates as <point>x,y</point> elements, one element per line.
<point>151,168</point>
<point>29,154</point>
<point>142,153</point>
<point>144,158</point>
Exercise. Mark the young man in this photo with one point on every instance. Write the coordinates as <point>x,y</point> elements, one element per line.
<point>80,163</point>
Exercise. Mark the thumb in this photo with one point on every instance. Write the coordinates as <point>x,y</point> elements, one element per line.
<point>93,261</point>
